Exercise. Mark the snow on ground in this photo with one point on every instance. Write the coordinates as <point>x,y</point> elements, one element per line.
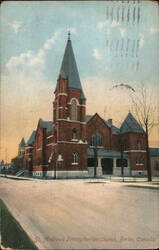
<point>84,214</point>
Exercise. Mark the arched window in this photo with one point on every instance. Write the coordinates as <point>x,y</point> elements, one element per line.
<point>75,158</point>
<point>74,134</point>
<point>74,110</point>
<point>96,140</point>
<point>138,145</point>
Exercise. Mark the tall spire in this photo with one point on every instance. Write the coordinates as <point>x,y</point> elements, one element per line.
<point>69,34</point>
<point>69,69</point>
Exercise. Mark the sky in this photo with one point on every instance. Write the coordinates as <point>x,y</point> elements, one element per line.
<point>114,42</point>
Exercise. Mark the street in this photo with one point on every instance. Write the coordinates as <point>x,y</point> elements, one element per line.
<point>84,214</point>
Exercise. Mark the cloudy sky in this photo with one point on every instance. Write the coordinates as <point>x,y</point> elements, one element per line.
<point>114,42</point>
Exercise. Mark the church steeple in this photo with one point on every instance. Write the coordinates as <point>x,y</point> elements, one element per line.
<point>69,34</point>
<point>69,71</point>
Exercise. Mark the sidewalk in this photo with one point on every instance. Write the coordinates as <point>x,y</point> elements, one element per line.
<point>129,181</point>
<point>135,181</point>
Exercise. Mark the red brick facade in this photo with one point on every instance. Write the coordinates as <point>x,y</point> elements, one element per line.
<point>64,144</point>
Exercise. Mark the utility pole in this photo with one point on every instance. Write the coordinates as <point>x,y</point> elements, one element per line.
<point>122,159</point>
<point>95,161</point>
<point>158,121</point>
<point>6,158</point>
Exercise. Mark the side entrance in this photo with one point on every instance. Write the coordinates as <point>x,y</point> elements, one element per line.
<point>107,166</point>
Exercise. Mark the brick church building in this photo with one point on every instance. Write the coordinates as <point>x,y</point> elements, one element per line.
<point>70,144</point>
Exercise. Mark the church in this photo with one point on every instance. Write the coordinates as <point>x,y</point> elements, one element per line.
<point>76,145</point>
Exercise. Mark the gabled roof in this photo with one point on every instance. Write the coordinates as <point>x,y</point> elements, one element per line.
<point>108,123</point>
<point>89,117</point>
<point>115,130</point>
<point>22,143</point>
<point>69,69</point>
<point>31,138</point>
<point>47,124</point>
<point>130,125</point>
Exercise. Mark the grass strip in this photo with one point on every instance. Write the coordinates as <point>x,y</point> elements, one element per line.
<point>12,234</point>
<point>146,187</point>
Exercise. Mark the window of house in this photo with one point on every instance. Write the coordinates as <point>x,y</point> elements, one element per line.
<point>75,158</point>
<point>119,162</point>
<point>125,145</point>
<point>96,140</point>
<point>139,161</point>
<point>74,134</point>
<point>138,145</point>
<point>74,110</point>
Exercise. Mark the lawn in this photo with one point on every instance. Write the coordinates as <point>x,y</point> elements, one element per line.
<point>12,233</point>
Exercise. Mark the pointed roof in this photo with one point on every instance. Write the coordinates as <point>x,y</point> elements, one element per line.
<point>22,143</point>
<point>31,138</point>
<point>130,125</point>
<point>69,69</point>
<point>90,117</point>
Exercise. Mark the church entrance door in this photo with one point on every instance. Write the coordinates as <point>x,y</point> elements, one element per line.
<point>107,166</point>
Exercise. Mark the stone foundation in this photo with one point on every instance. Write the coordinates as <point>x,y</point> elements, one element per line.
<point>117,171</point>
<point>139,173</point>
<point>67,174</point>
<point>91,171</point>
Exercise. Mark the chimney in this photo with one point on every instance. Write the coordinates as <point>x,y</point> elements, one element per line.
<point>110,121</point>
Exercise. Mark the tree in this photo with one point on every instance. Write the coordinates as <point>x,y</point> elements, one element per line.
<point>96,141</point>
<point>17,164</point>
<point>144,107</point>
<point>95,150</point>
<point>121,149</point>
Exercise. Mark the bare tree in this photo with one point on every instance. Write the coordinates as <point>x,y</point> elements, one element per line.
<point>94,144</point>
<point>144,107</point>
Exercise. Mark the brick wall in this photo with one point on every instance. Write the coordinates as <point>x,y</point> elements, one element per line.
<point>97,124</point>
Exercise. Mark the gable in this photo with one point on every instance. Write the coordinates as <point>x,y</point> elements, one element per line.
<point>130,125</point>
<point>97,124</point>
<point>96,120</point>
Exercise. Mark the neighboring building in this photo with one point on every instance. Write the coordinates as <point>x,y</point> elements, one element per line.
<point>28,158</point>
<point>17,163</point>
<point>115,146</point>
<point>21,149</point>
<point>154,152</point>
<point>5,168</point>
<point>65,147</point>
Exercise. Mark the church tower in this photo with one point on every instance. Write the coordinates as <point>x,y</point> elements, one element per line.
<point>69,110</point>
